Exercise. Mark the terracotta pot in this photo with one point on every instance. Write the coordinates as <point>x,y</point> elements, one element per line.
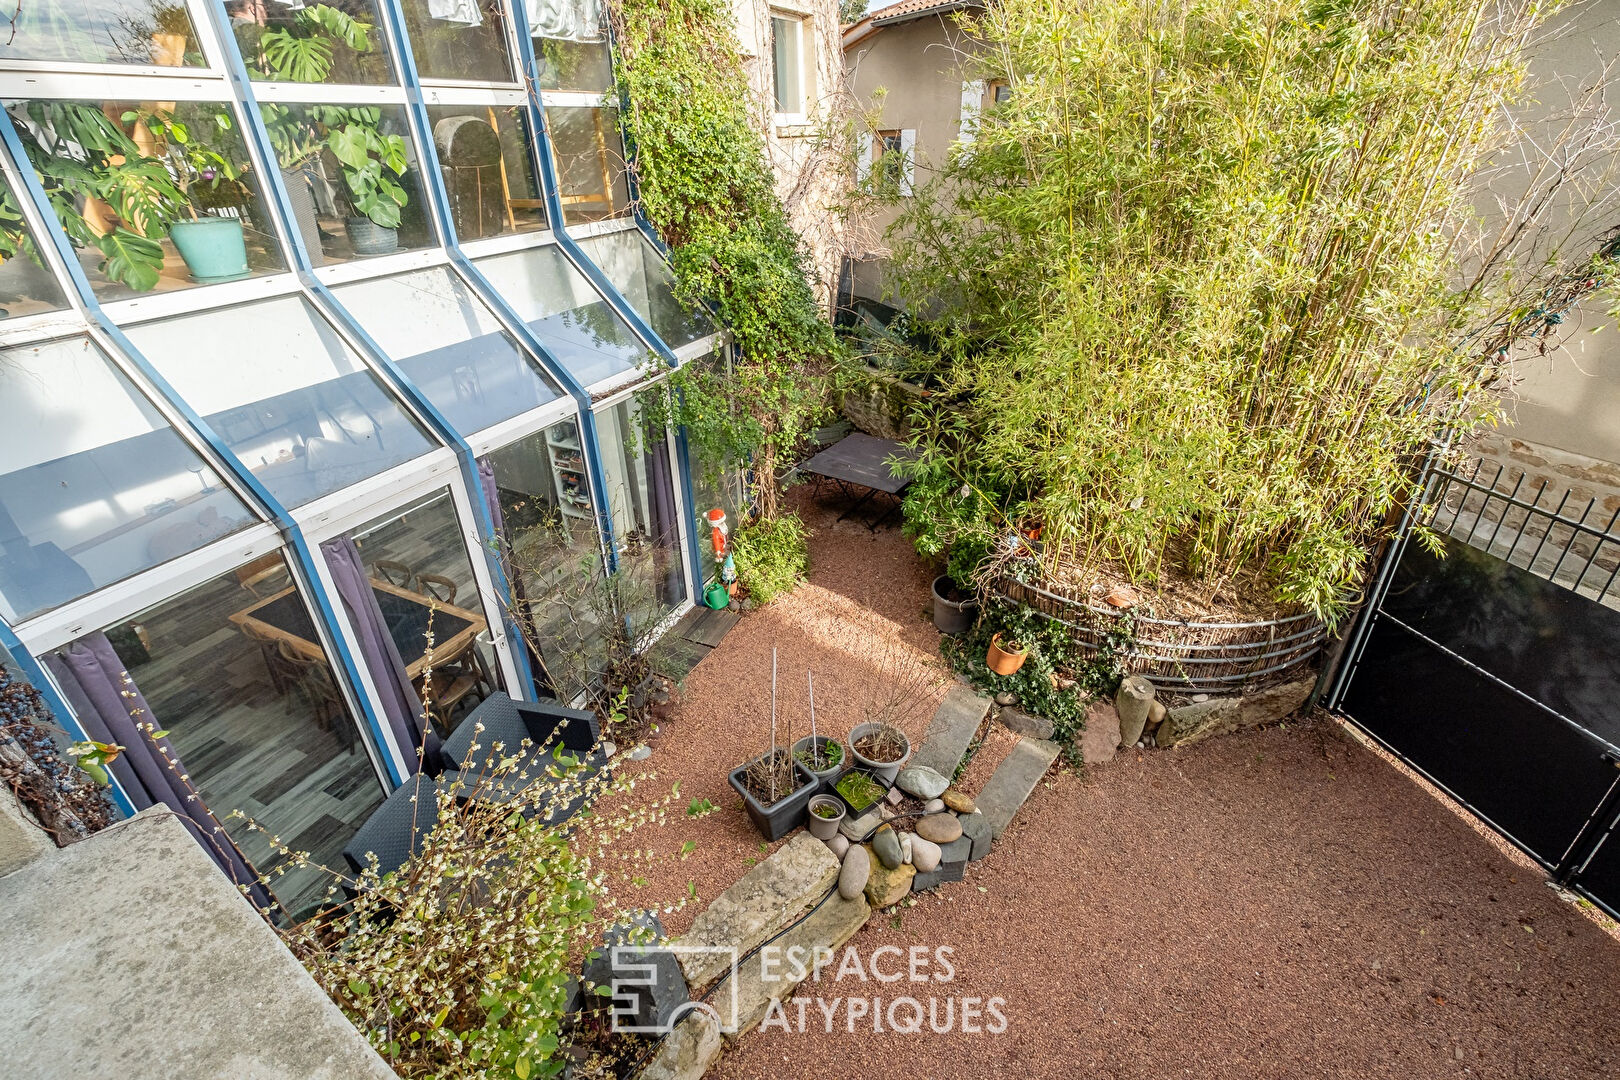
<point>1003,662</point>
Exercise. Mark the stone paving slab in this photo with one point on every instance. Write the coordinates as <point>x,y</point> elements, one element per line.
<point>1013,781</point>
<point>768,976</point>
<point>951,730</point>
<point>763,901</point>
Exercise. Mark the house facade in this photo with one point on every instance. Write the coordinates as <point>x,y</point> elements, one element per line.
<point>321,330</point>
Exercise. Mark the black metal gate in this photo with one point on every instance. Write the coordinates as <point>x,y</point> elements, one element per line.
<point>1495,670</point>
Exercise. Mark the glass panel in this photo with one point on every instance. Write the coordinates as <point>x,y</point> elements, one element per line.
<point>645,280</point>
<point>637,470</point>
<point>27,287</point>
<point>450,345</point>
<point>715,483</point>
<point>352,177</point>
<point>338,42</point>
<point>459,39</point>
<point>156,32</point>
<point>155,195</point>
<point>550,543</point>
<point>424,583</point>
<point>94,483</point>
<point>571,44</point>
<point>234,671</point>
<point>572,319</point>
<point>287,395</point>
<point>488,173</point>
<point>785,52</point>
<point>589,155</point>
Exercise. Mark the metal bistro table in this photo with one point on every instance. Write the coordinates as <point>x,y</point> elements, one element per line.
<point>861,460</point>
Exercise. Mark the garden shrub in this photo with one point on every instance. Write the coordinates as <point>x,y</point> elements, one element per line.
<point>772,556</point>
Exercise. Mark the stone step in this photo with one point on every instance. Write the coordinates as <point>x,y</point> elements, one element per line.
<point>1013,781</point>
<point>768,975</point>
<point>951,731</point>
<point>764,900</point>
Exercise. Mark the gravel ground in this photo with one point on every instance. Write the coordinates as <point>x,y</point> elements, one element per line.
<point>1281,903</point>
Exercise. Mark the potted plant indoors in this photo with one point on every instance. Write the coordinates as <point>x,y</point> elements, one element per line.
<point>881,748</point>
<point>954,607</point>
<point>826,814</point>
<point>213,246</point>
<point>368,156</point>
<point>774,787</point>
<point>1005,656</point>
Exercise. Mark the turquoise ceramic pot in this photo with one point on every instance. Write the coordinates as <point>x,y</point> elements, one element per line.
<point>212,247</point>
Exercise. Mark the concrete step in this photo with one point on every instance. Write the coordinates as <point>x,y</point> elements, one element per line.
<point>763,901</point>
<point>1013,781</point>
<point>951,731</point>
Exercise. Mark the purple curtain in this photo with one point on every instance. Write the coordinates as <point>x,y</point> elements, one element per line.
<point>491,493</point>
<point>401,706</point>
<point>665,529</point>
<point>112,709</point>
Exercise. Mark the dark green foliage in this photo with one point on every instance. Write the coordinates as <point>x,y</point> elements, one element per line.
<point>772,556</point>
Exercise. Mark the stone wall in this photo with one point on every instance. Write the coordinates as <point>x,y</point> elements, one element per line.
<point>881,406</point>
<point>1528,468</point>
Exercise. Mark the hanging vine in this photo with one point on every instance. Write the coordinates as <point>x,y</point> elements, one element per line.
<point>705,184</point>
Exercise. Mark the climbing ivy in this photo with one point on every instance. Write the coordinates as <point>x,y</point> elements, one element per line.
<point>706,185</point>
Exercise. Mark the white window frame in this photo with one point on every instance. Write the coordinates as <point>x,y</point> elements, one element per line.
<point>800,115</point>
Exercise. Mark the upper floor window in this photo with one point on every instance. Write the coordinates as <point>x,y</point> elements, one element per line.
<point>788,67</point>
<point>996,92</point>
<point>147,32</point>
<point>459,40</point>
<point>338,42</point>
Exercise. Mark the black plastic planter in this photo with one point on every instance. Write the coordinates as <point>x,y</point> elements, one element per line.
<point>951,616</point>
<point>876,778</point>
<point>785,814</point>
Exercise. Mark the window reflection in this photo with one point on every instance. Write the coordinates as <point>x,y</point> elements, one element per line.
<point>572,320</point>
<point>459,39</point>
<point>27,286</point>
<point>571,44</point>
<point>155,32</point>
<point>589,155</point>
<point>642,277</point>
<point>336,42</point>
<point>156,196</point>
<point>450,345</point>
<point>298,406</point>
<point>488,172</point>
<point>94,484</point>
<point>352,177</point>
<point>639,474</point>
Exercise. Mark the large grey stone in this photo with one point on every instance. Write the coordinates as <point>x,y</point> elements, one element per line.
<point>1220,715</point>
<point>1132,702</point>
<point>763,901</point>
<point>861,828</point>
<point>976,830</point>
<point>951,871</point>
<point>887,847</point>
<point>958,850</point>
<point>768,976</point>
<point>1023,723</point>
<point>856,869</point>
<point>689,1050</point>
<point>951,731</point>
<point>922,782</point>
<point>1013,780</point>
<point>136,928</point>
<point>925,880</point>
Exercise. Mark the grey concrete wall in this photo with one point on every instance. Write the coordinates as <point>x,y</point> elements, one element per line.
<point>129,954</point>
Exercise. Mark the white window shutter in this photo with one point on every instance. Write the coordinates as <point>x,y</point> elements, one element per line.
<point>972,100</point>
<point>863,158</point>
<point>908,153</point>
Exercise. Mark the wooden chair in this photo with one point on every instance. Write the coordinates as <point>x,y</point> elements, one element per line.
<point>325,702</point>
<point>283,676</point>
<point>253,576</point>
<point>437,586</point>
<point>395,573</point>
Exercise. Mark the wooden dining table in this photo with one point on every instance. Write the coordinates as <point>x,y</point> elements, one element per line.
<point>283,617</point>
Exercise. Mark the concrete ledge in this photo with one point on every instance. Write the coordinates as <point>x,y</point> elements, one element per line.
<point>129,954</point>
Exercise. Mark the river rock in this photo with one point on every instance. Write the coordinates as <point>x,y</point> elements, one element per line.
<point>889,886</point>
<point>925,855</point>
<point>886,846</point>
<point>921,782</point>
<point>839,844</point>
<point>939,828</point>
<point>906,840</point>
<point>934,806</point>
<point>958,801</point>
<point>857,870</point>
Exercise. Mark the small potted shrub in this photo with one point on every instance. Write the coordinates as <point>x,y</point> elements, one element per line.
<point>881,748</point>
<point>860,789</point>
<point>822,755</point>
<point>1006,654</point>
<point>774,787</point>
<point>826,814</point>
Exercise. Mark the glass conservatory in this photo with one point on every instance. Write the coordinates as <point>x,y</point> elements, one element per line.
<point>324,335</point>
